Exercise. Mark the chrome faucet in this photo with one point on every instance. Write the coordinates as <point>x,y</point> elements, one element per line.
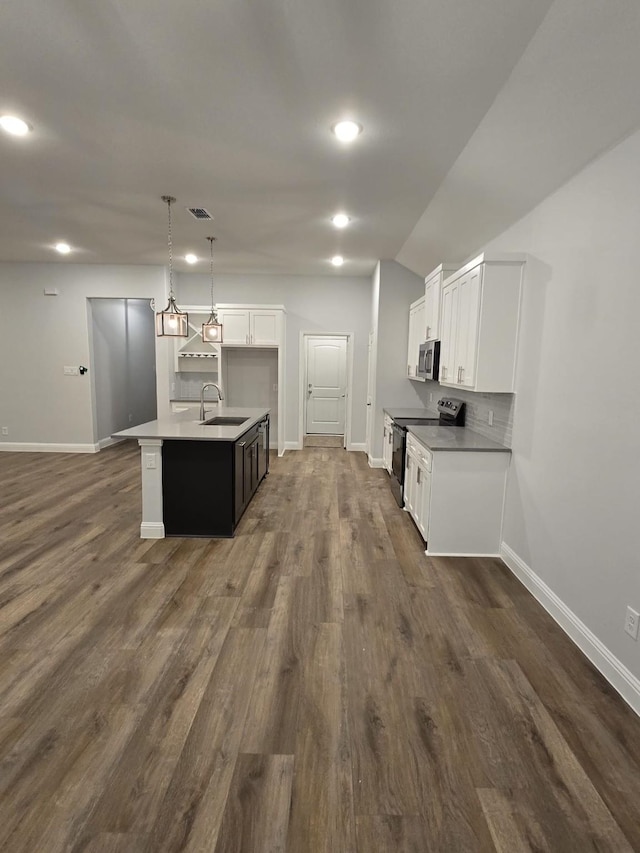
<point>202,390</point>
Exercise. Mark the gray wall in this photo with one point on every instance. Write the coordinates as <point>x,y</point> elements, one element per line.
<point>335,304</point>
<point>394,289</point>
<point>40,334</point>
<point>574,485</point>
<point>124,363</point>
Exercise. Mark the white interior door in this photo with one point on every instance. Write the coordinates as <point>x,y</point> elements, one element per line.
<point>326,385</point>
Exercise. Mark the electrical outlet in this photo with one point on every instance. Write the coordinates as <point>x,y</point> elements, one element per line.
<point>71,371</point>
<point>490,417</point>
<point>130,417</point>
<point>632,622</point>
<point>431,396</point>
<point>5,430</point>
<point>150,461</point>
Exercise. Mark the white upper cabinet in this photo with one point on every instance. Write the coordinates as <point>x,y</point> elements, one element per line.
<point>417,332</point>
<point>479,324</point>
<point>258,327</point>
<point>432,290</point>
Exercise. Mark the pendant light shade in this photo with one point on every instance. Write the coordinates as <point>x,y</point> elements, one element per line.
<point>172,321</point>
<point>212,329</point>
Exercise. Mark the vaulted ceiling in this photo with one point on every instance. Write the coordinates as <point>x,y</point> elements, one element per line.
<point>472,111</point>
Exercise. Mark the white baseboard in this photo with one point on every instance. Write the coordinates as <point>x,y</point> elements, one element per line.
<point>292,445</point>
<point>456,554</point>
<point>109,442</point>
<point>375,463</point>
<point>43,447</point>
<point>359,448</point>
<point>152,530</point>
<point>616,673</point>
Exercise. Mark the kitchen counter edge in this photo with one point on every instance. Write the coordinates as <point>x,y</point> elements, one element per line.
<point>181,426</point>
<point>449,438</point>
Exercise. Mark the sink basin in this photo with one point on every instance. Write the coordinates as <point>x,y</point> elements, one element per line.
<point>224,421</point>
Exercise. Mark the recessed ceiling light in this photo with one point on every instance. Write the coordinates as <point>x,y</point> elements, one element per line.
<point>191,259</point>
<point>63,248</point>
<point>347,131</point>
<point>337,260</point>
<point>14,125</point>
<point>341,220</point>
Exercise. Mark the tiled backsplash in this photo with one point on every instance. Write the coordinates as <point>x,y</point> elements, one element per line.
<point>188,385</point>
<point>477,408</point>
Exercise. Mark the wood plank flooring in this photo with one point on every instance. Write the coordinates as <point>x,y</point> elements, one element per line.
<point>315,684</point>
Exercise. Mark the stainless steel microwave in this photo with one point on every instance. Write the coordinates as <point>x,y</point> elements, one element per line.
<point>429,360</point>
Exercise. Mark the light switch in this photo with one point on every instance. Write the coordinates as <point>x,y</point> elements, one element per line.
<point>150,461</point>
<point>71,371</point>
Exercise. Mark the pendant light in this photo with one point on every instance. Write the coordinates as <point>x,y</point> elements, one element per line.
<point>212,329</point>
<point>172,321</point>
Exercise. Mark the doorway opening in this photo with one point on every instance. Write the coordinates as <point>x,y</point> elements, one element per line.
<point>123,356</point>
<point>325,389</point>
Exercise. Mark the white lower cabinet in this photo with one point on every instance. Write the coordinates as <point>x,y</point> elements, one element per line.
<point>418,485</point>
<point>456,498</point>
<point>387,443</point>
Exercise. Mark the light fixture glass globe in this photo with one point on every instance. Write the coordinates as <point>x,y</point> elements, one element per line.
<point>347,131</point>
<point>14,125</point>
<point>337,260</point>
<point>341,220</point>
<point>63,248</point>
<point>190,258</point>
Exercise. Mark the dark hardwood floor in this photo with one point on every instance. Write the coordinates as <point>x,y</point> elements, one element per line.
<point>315,684</point>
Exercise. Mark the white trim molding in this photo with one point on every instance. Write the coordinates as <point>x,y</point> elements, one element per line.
<point>44,447</point>
<point>375,463</point>
<point>616,673</point>
<point>152,530</point>
<point>109,442</point>
<point>360,448</point>
<point>292,445</point>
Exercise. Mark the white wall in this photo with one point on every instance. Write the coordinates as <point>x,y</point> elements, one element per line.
<point>40,334</point>
<point>251,379</point>
<point>335,304</point>
<point>574,486</point>
<point>394,289</point>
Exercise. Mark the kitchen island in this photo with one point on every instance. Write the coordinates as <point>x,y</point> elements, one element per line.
<point>198,477</point>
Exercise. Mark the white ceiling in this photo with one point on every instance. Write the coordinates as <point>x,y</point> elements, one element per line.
<point>228,105</point>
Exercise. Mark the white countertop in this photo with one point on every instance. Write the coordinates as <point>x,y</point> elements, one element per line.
<point>437,438</point>
<point>184,426</point>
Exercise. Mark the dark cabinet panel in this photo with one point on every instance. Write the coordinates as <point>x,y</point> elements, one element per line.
<point>206,485</point>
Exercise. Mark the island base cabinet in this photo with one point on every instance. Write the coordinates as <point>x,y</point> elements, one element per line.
<point>197,488</point>
<point>207,485</point>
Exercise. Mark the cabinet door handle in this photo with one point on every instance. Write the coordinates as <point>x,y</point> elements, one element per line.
<point>444,372</point>
<point>462,374</point>
<point>428,328</point>
<point>242,444</point>
<point>418,476</point>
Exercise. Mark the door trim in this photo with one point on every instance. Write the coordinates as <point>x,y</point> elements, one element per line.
<point>302,376</point>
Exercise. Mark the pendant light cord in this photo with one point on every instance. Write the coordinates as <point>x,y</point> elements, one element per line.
<point>214,313</point>
<point>169,200</point>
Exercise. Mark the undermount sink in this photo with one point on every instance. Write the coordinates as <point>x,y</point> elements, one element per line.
<point>221,420</point>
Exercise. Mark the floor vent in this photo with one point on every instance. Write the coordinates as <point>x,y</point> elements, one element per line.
<point>199,213</point>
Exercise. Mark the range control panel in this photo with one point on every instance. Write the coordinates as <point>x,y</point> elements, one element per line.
<point>450,405</point>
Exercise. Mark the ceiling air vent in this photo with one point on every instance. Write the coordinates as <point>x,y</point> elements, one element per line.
<point>199,213</point>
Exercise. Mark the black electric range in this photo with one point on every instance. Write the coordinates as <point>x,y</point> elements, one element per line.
<point>451,413</point>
